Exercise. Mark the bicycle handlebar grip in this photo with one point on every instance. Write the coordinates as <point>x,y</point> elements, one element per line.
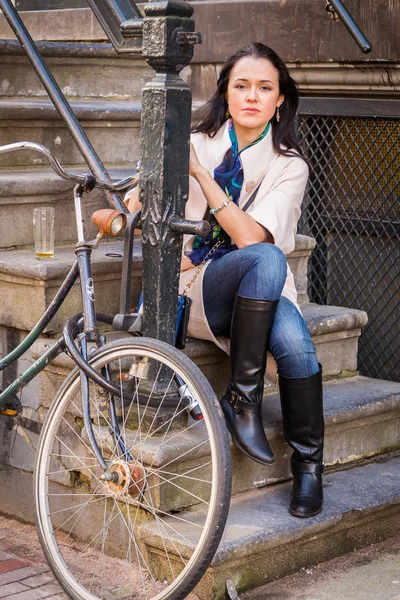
<point>200,228</point>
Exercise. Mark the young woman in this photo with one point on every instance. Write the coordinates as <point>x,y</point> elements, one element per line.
<point>248,177</point>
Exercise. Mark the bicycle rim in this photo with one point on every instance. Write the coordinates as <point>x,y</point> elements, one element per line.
<point>153,534</point>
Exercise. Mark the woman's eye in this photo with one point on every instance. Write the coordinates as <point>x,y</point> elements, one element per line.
<point>240,86</point>
<point>265,88</point>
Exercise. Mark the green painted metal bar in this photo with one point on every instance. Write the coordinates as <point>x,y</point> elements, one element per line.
<point>44,320</point>
<point>25,377</point>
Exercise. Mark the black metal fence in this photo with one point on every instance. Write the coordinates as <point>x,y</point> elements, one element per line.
<point>352,209</point>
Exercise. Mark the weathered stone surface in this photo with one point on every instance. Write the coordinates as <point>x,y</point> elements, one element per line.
<point>335,331</point>
<point>298,260</point>
<point>18,447</point>
<point>54,135</point>
<point>263,542</point>
<point>114,78</point>
<point>317,38</point>
<point>69,25</point>
<point>366,573</point>
<point>31,284</point>
<point>12,500</point>
<point>23,190</point>
<point>38,109</point>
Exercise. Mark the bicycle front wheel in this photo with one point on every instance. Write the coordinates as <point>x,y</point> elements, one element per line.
<point>151,531</point>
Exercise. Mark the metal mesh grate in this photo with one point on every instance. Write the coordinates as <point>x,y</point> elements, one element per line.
<point>352,210</point>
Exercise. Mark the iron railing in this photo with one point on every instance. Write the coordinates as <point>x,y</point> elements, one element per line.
<point>352,209</point>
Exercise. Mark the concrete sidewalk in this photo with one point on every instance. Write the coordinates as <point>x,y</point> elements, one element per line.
<point>369,574</point>
<point>372,573</point>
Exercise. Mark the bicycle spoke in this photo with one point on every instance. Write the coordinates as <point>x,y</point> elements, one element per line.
<point>178,487</point>
<point>162,538</point>
<point>123,533</point>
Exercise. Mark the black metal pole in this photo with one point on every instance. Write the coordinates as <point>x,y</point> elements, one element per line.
<point>351,26</point>
<point>57,97</point>
<point>126,275</point>
<point>83,252</point>
<point>164,177</point>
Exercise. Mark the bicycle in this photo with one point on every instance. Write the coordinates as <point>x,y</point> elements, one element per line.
<point>133,476</point>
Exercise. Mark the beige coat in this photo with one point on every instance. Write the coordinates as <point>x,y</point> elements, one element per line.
<point>276,207</point>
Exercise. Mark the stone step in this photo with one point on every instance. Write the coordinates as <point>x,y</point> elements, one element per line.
<point>262,541</point>
<point>362,420</point>
<point>67,25</point>
<point>81,71</point>
<point>23,190</point>
<point>23,276</point>
<point>113,128</point>
<point>335,330</point>
<point>31,284</point>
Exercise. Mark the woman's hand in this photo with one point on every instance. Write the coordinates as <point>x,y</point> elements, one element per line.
<point>195,167</point>
<point>240,226</point>
<point>131,199</point>
<point>186,263</point>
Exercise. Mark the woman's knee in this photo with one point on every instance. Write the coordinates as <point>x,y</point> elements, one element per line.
<point>263,271</point>
<point>264,256</point>
<point>291,344</point>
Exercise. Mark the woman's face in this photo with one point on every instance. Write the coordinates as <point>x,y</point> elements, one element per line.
<point>253,93</point>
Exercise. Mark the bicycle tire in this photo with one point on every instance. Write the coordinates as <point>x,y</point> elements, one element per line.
<point>65,466</point>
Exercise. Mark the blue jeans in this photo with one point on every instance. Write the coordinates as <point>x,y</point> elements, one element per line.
<point>259,271</point>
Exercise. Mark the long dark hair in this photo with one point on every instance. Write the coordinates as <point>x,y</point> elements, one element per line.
<point>210,117</point>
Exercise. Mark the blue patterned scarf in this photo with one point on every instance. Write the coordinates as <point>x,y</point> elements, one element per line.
<point>229,176</point>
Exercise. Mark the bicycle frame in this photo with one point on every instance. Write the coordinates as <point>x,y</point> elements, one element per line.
<point>83,326</point>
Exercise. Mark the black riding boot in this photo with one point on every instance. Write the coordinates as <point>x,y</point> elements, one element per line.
<point>251,325</point>
<point>303,426</point>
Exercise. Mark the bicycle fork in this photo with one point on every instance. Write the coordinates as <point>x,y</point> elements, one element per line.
<point>90,334</point>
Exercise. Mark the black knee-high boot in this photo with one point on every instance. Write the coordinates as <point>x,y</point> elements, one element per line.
<point>251,325</point>
<point>303,426</point>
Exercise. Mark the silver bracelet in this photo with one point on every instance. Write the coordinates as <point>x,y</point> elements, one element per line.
<point>214,211</point>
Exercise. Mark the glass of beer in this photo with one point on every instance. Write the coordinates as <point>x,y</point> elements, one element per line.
<point>43,228</point>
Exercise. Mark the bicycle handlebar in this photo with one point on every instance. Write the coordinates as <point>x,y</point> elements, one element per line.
<point>112,187</point>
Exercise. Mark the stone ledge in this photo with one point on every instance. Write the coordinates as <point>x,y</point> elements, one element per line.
<point>30,284</point>
<point>329,319</point>
<point>22,275</point>
<point>79,74</point>
<point>64,25</point>
<point>36,109</point>
<point>66,49</point>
